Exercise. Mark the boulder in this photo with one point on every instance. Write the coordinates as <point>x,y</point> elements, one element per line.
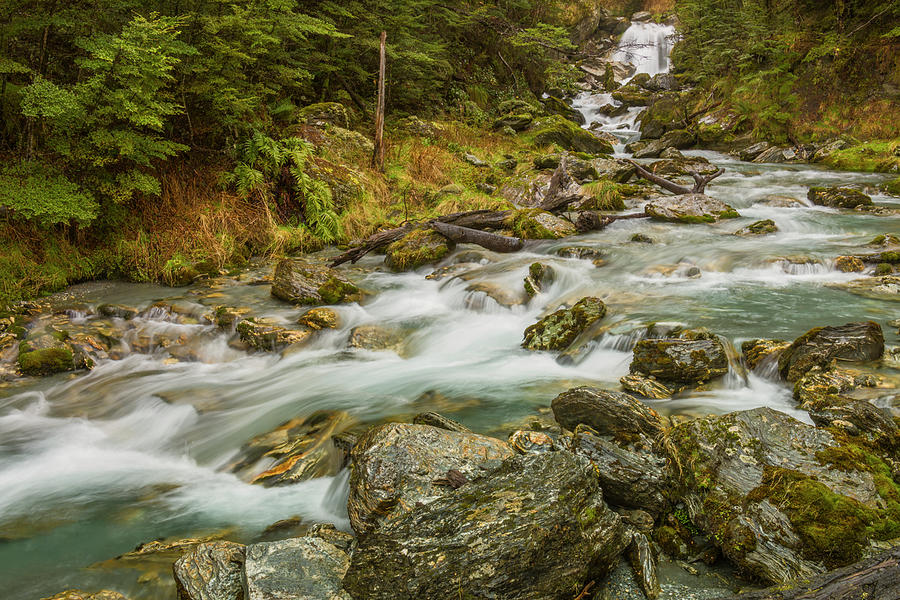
<point>648,387</point>
<point>376,337</point>
<point>678,138</point>
<point>301,282</point>
<point>607,413</point>
<point>849,264</point>
<point>211,571</point>
<point>751,152</point>
<point>632,94</point>
<point>781,499</point>
<point>777,155</point>
<point>614,169</point>
<point>319,318</point>
<point>680,360</point>
<point>689,208</point>
<point>515,121</point>
<point>838,197</point>
<point>51,351</point>
<point>417,248</point>
<point>681,167</point>
<point>664,114</point>
<point>854,342</point>
<point>394,468</point>
<point>270,338</point>
<point>536,527</point>
<point>662,82</point>
<point>582,252</point>
<point>306,568</point>
<point>324,113</point>
<point>297,450</point>
<point>119,311</point>
<point>759,228</point>
<point>758,352</point>
<point>516,105</point>
<point>558,330</point>
<point>558,130</point>
<point>440,421</point>
<point>554,105</point>
<point>539,277</point>
<point>630,473</point>
<point>827,149</point>
<point>536,224</point>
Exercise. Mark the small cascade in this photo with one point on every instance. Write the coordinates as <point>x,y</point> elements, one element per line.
<point>646,47</point>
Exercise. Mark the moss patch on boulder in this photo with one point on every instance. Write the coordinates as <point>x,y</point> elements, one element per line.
<point>417,248</point>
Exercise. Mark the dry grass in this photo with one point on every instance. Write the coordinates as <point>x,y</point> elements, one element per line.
<point>428,164</point>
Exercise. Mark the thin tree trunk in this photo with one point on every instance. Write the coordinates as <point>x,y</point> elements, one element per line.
<point>378,154</point>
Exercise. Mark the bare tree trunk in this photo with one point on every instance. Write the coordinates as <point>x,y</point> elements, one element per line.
<point>378,154</point>
<point>490,241</point>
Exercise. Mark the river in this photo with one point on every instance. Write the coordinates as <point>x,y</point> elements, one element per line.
<point>93,464</point>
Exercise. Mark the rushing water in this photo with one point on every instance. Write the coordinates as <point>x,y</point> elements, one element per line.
<point>93,464</point>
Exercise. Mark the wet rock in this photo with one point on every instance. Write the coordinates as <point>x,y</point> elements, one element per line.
<point>376,337</point>
<point>319,318</point>
<point>558,330</point>
<point>531,442</point>
<point>496,292</point>
<point>607,412</point>
<point>885,239</point>
<point>689,208</point>
<point>854,417</point>
<point>539,277</point>
<point>777,155</point>
<point>307,568</point>
<point>270,338</point>
<point>855,342</point>
<point>681,167</point>
<point>80,595</point>
<point>434,419</point>
<point>568,136</point>
<point>614,169</point>
<point>640,238</point>
<point>643,560</point>
<point>759,228</point>
<point>417,248</point>
<point>226,317</point>
<point>783,500</point>
<point>630,474</point>
<point>534,528</point>
<point>211,571</point>
<point>536,224</point>
<point>49,352</point>
<point>880,287</point>
<point>755,352</point>
<point>394,467</point>
<point>300,282</point>
<point>780,201</point>
<point>678,138</point>
<point>119,311</point>
<point>849,264</point>
<point>680,360</point>
<point>751,152</point>
<point>837,197</point>
<point>581,252</point>
<point>648,387</point>
<point>297,450</point>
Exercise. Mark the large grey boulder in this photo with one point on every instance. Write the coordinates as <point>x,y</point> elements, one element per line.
<point>212,571</point>
<point>689,208</point>
<point>679,360</point>
<point>535,528</point>
<point>302,282</point>
<point>394,467</point>
<point>853,342</point>
<point>306,568</point>
<point>838,197</point>
<point>607,412</point>
<point>781,499</point>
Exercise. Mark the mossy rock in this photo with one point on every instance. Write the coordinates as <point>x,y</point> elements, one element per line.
<point>516,122</point>
<point>568,136</point>
<point>689,208</point>
<point>854,342</point>
<point>686,361</point>
<point>537,224</point>
<point>270,338</point>
<point>892,187</point>
<point>838,197</point>
<point>417,248</point>
<point>556,106</point>
<point>324,113</point>
<point>516,106</point>
<point>47,361</point>
<point>759,228</point>
<point>558,330</point>
<point>301,282</point>
<point>849,264</point>
<point>663,115</point>
<point>539,277</point>
<point>882,269</point>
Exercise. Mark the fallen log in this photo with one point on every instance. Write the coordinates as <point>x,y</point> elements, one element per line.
<point>875,577</point>
<point>489,241</point>
<point>701,181</point>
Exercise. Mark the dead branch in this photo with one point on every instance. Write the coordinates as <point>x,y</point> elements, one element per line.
<point>703,180</point>
<point>700,181</point>
<point>489,241</point>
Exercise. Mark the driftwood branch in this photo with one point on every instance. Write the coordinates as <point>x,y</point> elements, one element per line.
<point>700,181</point>
<point>490,241</point>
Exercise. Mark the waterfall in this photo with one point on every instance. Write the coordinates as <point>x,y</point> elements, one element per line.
<point>646,47</point>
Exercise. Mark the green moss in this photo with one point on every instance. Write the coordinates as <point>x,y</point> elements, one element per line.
<point>603,195</point>
<point>46,361</point>
<point>694,219</point>
<point>890,257</point>
<point>336,290</point>
<point>883,269</point>
<point>524,225</point>
<point>417,248</point>
<point>893,187</point>
<point>557,130</point>
<point>870,156</point>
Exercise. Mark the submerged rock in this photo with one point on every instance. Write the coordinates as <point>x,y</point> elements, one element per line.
<point>319,318</point>
<point>297,450</point>
<point>783,500</point>
<point>536,527</point>
<point>211,571</point>
<point>558,330</point>
<point>539,276</point>
<point>755,352</point>
<point>680,360</point>
<point>417,248</point>
<point>307,568</point>
<point>880,287</point>
<point>689,208</point>
<point>394,468</point>
<point>376,337</point>
<point>855,342</point>
<point>270,338</point>
<point>301,282</point>
<point>837,197</point>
